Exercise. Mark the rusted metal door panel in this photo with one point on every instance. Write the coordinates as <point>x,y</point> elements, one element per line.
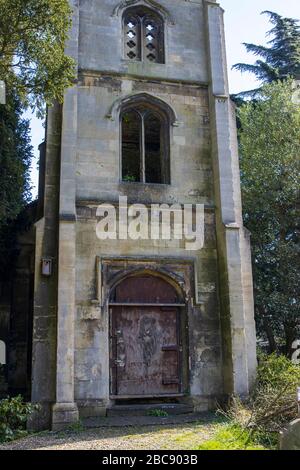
<point>145,348</point>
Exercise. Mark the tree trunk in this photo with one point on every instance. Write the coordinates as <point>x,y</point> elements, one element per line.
<point>268,331</point>
<point>290,337</point>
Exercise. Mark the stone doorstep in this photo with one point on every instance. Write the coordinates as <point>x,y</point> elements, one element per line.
<point>128,421</point>
<point>145,409</point>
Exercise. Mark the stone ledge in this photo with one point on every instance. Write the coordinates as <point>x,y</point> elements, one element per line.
<point>125,421</point>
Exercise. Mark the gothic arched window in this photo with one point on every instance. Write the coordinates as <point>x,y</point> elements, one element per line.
<point>143,35</point>
<point>145,144</point>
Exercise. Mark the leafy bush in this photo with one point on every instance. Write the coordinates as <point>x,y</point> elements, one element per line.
<point>13,417</point>
<point>273,402</point>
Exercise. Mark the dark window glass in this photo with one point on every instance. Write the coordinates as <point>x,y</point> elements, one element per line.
<point>153,151</point>
<point>131,156</point>
<point>145,145</point>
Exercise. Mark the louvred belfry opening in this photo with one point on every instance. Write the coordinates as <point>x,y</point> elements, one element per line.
<point>143,35</point>
<point>132,37</point>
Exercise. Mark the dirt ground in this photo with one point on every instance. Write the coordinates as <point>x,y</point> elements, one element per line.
<point>159,437</point>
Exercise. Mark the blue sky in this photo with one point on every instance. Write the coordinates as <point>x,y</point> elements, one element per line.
<point>243,23</point>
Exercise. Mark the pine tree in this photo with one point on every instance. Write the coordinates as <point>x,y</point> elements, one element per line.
<point>270,175</point>
<point>281,58</point>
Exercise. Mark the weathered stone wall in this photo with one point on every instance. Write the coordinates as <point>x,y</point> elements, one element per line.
<point>45,288</point>
<point>101,40</point>
<point>98,180</point>
<point>98,145</point>
<point>82,170</point>
<point>233,246</point>
<point>92,323</point>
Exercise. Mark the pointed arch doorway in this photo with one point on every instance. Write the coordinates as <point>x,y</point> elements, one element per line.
<point>146,347</point>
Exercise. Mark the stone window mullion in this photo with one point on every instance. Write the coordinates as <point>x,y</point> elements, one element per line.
<point>132,37</point>
<point>143,40</point>
<point>143,150</point>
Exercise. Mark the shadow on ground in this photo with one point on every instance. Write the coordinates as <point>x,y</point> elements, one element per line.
<point>176,436</point>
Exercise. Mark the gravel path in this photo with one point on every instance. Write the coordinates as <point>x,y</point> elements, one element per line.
<point>168,437</point>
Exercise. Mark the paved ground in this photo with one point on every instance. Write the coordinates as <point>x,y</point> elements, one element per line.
<point>185,436</point>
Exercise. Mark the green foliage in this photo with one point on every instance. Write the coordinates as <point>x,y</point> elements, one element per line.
<point>129,179</point>
<point>278,372</point>
<point>15,160</point>
<point>232,437</point>
<point>281,59</point>
<point>270,174</point>
<point>13,417</point>
<point>75,428</point>
<point>273,402</point>
<point>158,413</point>
<point>32,57</point>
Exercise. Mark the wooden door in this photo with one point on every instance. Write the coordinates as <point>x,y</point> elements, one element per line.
<point>145,351</point>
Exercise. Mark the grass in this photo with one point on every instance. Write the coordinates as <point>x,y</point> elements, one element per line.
<point>232,437</point>
<point>220,434</point>
<point>213,433</point>
<point>75,428</point>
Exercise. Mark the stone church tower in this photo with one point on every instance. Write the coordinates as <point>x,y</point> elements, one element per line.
<point>149,118</point>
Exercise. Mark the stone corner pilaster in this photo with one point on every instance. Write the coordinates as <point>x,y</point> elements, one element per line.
<point>64,415</point>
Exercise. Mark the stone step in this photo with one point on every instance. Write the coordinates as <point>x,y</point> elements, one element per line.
<point>126,421</point>
<point>150,409</point>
